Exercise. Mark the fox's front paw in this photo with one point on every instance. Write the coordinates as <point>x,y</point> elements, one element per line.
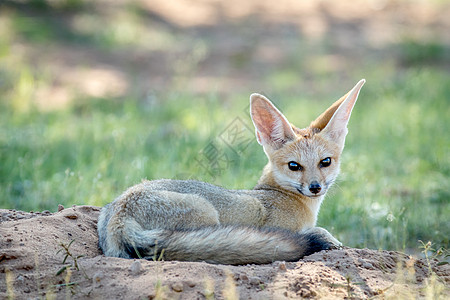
<point>323,237</point>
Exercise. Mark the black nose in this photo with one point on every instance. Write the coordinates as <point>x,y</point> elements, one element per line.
<point>315,187</point>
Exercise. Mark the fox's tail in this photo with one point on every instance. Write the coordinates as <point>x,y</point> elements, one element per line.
<point>213,244</point>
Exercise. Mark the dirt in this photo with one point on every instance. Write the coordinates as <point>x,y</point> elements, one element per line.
<point>32,265</point>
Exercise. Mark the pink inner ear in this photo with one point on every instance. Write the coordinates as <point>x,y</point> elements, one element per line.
<point>348,111</point>
<point>258,137</point>
<point>337,126</point>
<point>262,118</point>
<point>321,121</point>
<point>344,111</point>
<point>271,126</point>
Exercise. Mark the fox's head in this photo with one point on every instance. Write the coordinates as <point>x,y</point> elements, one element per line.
<point>304,161</point>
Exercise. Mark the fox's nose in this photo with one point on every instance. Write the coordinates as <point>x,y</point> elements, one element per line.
<point>315,187</point>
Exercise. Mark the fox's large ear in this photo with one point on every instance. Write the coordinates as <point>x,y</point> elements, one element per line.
<point>333,122</point>
<point>272,128</point>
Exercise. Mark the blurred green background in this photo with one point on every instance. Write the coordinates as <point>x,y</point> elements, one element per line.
<point>97,95</point>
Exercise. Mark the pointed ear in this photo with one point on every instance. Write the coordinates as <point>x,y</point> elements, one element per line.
<point>272,128</point>
<point>325,117</point>
<point>336,127</point>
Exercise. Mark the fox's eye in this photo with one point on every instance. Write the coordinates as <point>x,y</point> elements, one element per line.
<point>294,166</point>
<point>326,162</point>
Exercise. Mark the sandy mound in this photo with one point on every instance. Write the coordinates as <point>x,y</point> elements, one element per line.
<point>31,265</point>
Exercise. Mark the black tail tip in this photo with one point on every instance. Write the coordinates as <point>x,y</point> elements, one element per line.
<point>317,242</point>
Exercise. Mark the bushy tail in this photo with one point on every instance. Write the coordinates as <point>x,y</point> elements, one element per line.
<point>218,244</point>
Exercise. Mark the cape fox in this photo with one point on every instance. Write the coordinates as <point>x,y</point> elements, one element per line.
<point>196,221</point>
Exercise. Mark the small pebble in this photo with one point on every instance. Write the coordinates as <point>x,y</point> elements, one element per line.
<point>190,284</point>
<point>60,207</point>
<point>255,280</point>
<point>243,277</point>
<point>136,268</point>
<point>97,278</point>
<point>177,287</point>
<point>20,279</point>
<point>282,266</point>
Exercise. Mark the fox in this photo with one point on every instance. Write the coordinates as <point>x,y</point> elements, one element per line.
<point>189,220</point>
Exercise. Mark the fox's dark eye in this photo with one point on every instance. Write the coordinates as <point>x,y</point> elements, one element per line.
<point>326,162</point>
<point>294,166</point>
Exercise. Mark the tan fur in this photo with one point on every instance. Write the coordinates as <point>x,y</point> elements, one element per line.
<point>196,221</point>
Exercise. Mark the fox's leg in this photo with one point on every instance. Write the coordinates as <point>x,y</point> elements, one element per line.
<point>324,234</point>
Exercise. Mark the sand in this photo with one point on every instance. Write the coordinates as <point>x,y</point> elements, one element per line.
<point>32,265</point>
